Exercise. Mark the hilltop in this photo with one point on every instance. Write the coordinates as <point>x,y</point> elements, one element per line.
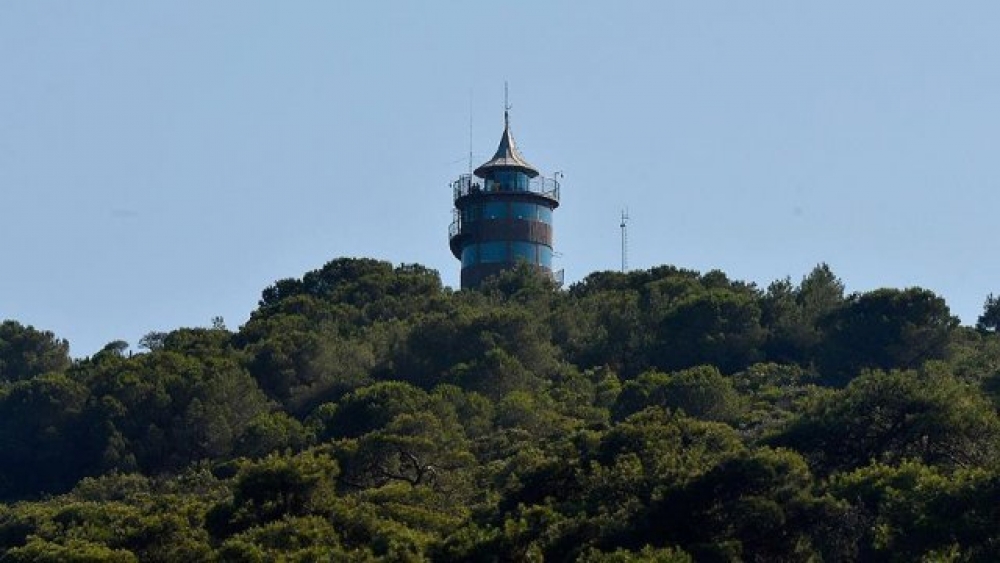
<point>366,412</point>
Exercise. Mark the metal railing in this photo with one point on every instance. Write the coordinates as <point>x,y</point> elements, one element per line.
<point>469,183</point>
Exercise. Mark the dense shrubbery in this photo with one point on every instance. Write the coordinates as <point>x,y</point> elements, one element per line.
<point>365,412</point>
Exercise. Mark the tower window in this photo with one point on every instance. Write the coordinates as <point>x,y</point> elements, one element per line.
<point>544,256</point>
<point>531,212</point>
<point>507,181</point>
<point>524,211</point>
<point>495,210</point>
<point>492,252</point>
<point>524,251</point>
<point>545,214</point>
<point>470,255</point>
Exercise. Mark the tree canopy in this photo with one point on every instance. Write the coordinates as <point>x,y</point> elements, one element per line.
<point>366,412</point>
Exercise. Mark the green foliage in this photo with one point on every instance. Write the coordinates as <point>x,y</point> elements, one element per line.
<point>370,408</point>
<point>272,432</point>
<point>773,395</point>
<point>366,413</point>
<point>649,554</point>
<point>491,350</point>
<point>601,328</point>
<point>26,352</point>
<point>419,449</point>
<point>990,319</point>
<point>886,329</point>
<point>701,392</point>
<point>718,326</point>
<point>920,512</point>
<point>889,417</point>
<point>72,551</point>
<point>301,358</point>
<point>114,518</point>
<point>46,442</point>
<point>755,506</point>
<point>522,284</point>
<point>308,538</point>
<point>164,410</point>
<point>793,315</point>
<point>669,447</point>
<point>273,488</point>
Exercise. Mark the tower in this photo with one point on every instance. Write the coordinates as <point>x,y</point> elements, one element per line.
<point>503,215</point>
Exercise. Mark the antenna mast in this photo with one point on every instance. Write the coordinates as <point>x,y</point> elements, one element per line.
<point>506,104</point>
<point>624,227</point>
<point>470,134</point>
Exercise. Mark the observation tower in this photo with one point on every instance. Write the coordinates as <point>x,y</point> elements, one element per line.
<point>503,216</point>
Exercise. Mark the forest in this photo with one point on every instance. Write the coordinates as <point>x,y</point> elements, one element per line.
<point>366,412</point>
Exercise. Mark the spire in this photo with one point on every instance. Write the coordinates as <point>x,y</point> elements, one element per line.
<point>507,155</point>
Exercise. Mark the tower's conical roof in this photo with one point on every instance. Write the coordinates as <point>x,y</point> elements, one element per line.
<point>507,155</point>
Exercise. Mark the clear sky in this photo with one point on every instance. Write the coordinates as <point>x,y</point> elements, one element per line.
<point>163,162</point>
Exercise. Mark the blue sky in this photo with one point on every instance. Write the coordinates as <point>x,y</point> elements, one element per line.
<point>161,163</point>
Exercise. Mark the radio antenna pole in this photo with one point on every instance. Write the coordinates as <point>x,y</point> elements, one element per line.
<point>470,134</point>
<point>624,227</point>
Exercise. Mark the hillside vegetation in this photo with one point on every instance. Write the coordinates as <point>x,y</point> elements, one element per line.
<point>367,413</point>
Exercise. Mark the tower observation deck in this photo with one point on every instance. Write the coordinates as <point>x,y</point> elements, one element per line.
<point>503,215</point>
